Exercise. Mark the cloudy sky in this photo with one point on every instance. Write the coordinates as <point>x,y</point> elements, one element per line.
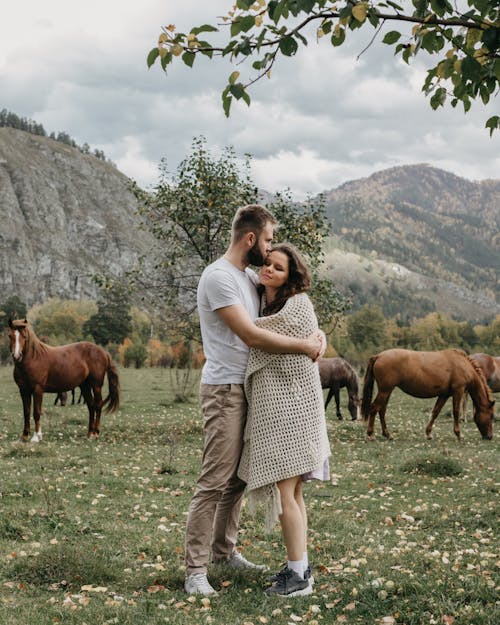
<point>325,117</point>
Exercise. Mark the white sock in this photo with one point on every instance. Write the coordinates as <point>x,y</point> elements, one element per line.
<point>305,560</point>
<point>297,566</point>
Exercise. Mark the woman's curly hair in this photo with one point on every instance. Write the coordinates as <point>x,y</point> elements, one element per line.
<point>299,278</point>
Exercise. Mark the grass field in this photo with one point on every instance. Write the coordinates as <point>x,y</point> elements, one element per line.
<point>92,532</point>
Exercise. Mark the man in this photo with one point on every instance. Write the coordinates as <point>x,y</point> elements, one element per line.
<point>228,304</point>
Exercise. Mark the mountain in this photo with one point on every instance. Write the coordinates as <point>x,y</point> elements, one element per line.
<point>412,239</point>
<point>65,217</point>
<point>432,238</point>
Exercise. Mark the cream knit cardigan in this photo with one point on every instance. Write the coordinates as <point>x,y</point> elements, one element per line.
<point>285,433</point>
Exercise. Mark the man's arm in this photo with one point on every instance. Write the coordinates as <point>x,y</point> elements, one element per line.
<point>240,322</point>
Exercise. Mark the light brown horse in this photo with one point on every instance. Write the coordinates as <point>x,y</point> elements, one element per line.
<point>40,368</point>
<point>442,374</point>
<point>337,373</point>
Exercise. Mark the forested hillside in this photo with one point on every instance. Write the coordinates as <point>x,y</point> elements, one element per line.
<point>428,220</point>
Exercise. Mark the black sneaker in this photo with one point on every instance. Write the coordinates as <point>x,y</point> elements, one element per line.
<point>307,575</point>
<point>288,583</point>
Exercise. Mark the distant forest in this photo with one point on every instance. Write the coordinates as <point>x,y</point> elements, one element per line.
<point>11,120</point>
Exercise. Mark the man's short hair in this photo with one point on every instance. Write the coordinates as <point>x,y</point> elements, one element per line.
<point>251,218</point>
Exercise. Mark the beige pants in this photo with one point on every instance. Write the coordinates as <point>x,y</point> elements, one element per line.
<point>214,511</point>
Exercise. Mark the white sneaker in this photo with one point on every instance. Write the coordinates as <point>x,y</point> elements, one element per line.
<point>238,561</point>
<point>198,584</point>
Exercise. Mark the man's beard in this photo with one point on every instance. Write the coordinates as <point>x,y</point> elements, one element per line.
<point>254,256</point>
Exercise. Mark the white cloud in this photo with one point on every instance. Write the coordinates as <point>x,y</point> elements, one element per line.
<point>326,116</point>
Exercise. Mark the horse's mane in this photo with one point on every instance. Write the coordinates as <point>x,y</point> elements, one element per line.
<point>353,377</point>
<point>35,345</point>
<point>482,379</point>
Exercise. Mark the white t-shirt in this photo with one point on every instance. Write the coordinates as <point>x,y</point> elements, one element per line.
<point>222,284</point>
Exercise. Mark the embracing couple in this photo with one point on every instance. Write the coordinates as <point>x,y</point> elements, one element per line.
<point>262,404</point>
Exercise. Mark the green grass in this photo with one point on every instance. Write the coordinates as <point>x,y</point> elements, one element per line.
<point>93,531</point>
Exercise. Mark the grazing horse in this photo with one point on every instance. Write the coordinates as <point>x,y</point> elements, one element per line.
<point>490,366</point>
<point>62,398</point>
<point>40,368</point>
<point>491,369</point>
<point>442,374</point>
<point>337,373</point>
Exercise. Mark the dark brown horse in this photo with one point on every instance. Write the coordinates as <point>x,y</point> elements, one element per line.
<point>62,398</point>
<point>443,374</point>
<point>39,368</point>
<point>337,373</point>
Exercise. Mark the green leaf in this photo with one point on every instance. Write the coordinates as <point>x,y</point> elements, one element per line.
<point>470,68</point>
<point>226,101</point>
<point>288,46</point>
<point>235,28</point>
<point>188,58</point>
<point>247,23</point>
<point>493,123</point>
<point>244,4</point>
<point>233,78</point>
<point>306,6</point>
<point>391,37</point>
<point>246,97</point>
<point>152,56</point>
<point>395,6</point>
<point>338,37</point>
<point>439,98</point>
<point>165,60</point>
<point>206,28</point>
<point>237,90</point>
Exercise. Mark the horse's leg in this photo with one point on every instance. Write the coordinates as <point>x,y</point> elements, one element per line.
<point>26,397</point>
<point>89,400</point>
<point>457,403</point>
<point>383,425</point>
<point>329,397</point>
<point>378,405</point>
<point>463,408</point>
<point>37,411</point>
<point>440,402</point>
<point>73,396</point>
<point>98,408</point>
<point>337,404</point>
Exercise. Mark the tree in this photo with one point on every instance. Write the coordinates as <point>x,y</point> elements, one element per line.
<point>190,215</point>
<point>61,321</point>
<point>465,36</point>
<point>112,322</point>
<point>366,329</point>
<point>12,308</point>
<point>306,226</point>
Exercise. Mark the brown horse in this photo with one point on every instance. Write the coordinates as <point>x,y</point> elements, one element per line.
<point>337,373</point>
<point>443,374</point>
<point>490,366</point>
<point>39,368</point>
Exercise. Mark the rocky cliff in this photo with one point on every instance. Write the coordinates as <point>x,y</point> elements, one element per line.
<point>65,216</point>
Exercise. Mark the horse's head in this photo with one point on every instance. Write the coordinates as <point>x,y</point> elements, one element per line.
<point>18,336</point>
<point>483,418</point>
<point>354,406</point>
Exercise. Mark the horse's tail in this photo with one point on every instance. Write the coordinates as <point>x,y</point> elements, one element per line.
<point>112,401</point>
<point>368,389</point>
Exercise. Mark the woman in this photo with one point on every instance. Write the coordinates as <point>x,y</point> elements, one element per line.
<point>285,440</point>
